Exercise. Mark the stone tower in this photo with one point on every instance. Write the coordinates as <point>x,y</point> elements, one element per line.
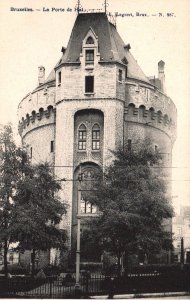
<point>95,99</point>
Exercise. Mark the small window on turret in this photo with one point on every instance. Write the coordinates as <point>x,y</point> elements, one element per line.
<point>126,69</point>
<point>52,146</point>
<point>129,145</point>
<point>59,78</point>
<point>30,152</point>
<point>120,75</point>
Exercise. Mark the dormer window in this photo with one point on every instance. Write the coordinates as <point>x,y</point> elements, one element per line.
<point>89,57</point>
<point>89,40</point>
<point>89,52</point>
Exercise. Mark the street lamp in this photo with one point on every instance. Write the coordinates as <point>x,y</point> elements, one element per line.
<point>182,253</point>
<point>77,285</point>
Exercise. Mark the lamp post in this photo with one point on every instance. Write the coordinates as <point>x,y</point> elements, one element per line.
<point>182,253</point>
<point>77,285</point>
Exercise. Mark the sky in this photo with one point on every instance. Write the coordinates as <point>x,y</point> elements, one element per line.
<point>31,39</point>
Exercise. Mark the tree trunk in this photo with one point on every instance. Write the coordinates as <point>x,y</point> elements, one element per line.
<point>126,263</point>
<point>33,255</point>
<point>5,257</point>
<point>119,262</point>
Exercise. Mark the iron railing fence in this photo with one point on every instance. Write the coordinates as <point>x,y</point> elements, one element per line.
<point>153,283</point>
<point>36,288</point>
<point>94,284</point>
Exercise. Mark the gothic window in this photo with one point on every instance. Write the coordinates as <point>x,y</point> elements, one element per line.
<point>89,57</point>
<point>89,175</point>
<point>96,137</point>
<point>87,207</point>
<point>82,137</point>
<point>90,40</point>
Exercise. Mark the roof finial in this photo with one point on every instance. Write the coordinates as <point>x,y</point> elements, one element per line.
<point>78,6</point>
<point>105,5</point>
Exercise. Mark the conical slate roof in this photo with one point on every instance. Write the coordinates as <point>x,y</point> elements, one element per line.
<point>111,46</point>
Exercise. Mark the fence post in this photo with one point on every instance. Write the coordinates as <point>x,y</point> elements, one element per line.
<point>87,285</point>
<point>50,292</point>
<point>111,287</point>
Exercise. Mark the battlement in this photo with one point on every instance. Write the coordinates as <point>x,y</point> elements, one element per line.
<point>36,120</point>
<point>151,97</point>
<point>40,98</point>
<point>150,117</point>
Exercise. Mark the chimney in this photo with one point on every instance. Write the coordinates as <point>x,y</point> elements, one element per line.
<point>161,75</point>
<point>41,75</point>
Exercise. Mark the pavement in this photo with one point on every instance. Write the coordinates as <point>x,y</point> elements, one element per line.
<point>155,296</point>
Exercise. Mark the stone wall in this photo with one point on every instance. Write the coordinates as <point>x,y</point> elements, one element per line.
<point>40,98</point>
<point>73,82</point>
<point>113,115</point>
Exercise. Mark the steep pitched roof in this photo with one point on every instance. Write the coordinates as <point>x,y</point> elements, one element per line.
<point>51,76</point>
<point>111,46</point>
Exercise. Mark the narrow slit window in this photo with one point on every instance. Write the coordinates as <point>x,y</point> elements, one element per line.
<point>126,69</point>
<point>59,78</point>
<point>82,137</point>
<point>89,84</point>
<point>120,75</point>
<point>129,145</point>
<point>96,137</point>
<point>52,146</point>
<point>30,152</point>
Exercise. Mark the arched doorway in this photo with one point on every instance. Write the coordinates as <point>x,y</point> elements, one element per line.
<point>84,177</point>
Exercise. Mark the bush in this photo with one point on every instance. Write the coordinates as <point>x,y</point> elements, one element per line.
<point>51,270</point>
<point>15,269</point>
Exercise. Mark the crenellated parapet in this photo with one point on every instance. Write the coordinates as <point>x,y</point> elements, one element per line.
<point>37,108</point>
<point>37,119</point>
<point>150,117</point>
<point>41,97</point>
<point>146,104</point>
<point>140,93</point>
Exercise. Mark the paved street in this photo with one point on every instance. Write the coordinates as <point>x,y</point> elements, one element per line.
<point>158,297</point>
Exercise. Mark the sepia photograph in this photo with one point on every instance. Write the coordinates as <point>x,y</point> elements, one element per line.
<point>94,149</point>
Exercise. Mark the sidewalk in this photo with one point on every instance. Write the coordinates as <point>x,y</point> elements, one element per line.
<point>174,295</point>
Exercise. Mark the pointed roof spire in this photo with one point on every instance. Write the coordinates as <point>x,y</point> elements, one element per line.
<point>106,4</point>
<point>78,6</point>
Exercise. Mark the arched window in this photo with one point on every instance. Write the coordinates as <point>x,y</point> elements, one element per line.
<point>90,40</point>
<point>96,137</point>
<point>82,137</point>
<point>89,175</point>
